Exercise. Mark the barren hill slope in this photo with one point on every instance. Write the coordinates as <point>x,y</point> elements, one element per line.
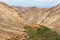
<point>11,24</point>
<point>54,20</point>
<point>31,12</point>
<point>21,9</point>
<point>27,12</point>
<point>49,18</point>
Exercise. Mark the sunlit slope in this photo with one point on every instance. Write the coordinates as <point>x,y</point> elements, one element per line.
<point>31,13</point>
<point>21,9</point>
<point>11,24</point>
<point>48,17</point>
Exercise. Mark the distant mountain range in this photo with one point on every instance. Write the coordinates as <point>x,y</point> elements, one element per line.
<point>13,19</point>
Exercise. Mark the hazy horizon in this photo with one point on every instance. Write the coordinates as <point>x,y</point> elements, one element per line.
<point>31,3</point>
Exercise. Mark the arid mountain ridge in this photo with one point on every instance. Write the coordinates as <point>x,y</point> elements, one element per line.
<point>11,24</point>
<point>13,19</point>
<point>42,16</point>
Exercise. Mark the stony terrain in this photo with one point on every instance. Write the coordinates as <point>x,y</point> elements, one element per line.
<point>13,19</point>
<point>41,16</point>
<point>21,9</point>
<point>11,24</point>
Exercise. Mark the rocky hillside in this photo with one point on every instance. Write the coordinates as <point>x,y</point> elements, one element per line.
<point>54,20</point>
<point>11,24</point>
<point>13,19</point>
<point>48,17</point>
<point>21,9</point>
<point>28,12</point>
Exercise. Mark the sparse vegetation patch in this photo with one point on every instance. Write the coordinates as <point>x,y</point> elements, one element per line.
<point>42,33</point>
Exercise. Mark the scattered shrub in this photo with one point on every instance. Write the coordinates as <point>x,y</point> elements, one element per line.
<point>42,33</point>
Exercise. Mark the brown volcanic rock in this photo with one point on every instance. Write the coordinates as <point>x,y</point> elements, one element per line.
<point>11,24</point>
